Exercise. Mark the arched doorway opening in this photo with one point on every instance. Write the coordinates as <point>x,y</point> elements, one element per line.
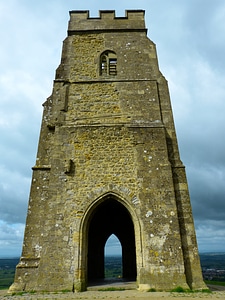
<point>110,217</point>
<point>113,258</point>
<point>113,246</point>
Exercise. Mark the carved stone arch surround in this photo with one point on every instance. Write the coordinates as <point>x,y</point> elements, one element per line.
<point>125,199</point>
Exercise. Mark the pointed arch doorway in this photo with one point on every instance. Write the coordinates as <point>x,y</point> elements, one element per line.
<point>110,217</point>
<point>113,258</point>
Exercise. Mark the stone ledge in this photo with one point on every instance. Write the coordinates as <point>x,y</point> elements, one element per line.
<point>43,168</point>
<point>28,262</point>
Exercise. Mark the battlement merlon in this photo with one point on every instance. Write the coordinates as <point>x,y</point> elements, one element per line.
<point>107,21</point>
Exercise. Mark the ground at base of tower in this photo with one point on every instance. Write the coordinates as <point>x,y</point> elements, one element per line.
<point>114,295</point>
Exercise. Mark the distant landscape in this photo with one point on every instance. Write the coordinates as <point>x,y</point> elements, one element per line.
<point>213,268</point>
<point>7,271</point>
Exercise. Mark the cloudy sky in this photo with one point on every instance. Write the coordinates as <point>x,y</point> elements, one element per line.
<point>190,39</point>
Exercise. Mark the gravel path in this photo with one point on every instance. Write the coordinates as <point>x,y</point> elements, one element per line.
<point>114,295</point>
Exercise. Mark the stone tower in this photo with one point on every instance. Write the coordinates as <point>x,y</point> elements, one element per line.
<point>108,163</point>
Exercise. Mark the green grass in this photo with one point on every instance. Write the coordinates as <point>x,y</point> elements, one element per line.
<point>6,278</point>
<point>18,294</point>
<point>221,283</point>
<point>179,289</point>
<point>206,291</point>
<point>111,289</point>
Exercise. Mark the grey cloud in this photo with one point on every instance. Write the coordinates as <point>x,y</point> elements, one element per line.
<point>11,239</point>
<point>189,36</point>
<point>210,232</point>
<point>13,197</point>
<point>207,193</point>
<point>205,22</point>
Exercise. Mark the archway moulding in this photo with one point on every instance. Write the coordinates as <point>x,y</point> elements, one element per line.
<point>126,202</point>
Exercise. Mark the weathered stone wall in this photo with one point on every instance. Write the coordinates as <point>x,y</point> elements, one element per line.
<point>108,137</point>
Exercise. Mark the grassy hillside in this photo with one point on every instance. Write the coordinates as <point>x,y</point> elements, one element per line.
<point>7,271</point>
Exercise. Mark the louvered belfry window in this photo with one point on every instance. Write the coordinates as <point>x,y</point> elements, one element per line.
<point>108,63</point>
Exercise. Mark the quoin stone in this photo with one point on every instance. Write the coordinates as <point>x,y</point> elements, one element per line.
<point>108,163</point>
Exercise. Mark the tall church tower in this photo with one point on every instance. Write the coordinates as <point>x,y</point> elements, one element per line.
<point>108,163</point>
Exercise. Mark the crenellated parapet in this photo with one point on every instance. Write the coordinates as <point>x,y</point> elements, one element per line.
<point>81,21</point>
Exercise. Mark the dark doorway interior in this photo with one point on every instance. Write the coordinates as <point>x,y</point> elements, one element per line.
<point>110,217</point>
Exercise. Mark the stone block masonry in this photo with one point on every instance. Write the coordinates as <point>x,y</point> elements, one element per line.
<point>108,163</point>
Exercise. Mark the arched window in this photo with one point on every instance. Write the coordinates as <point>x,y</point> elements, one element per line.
<point>108,63</point>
